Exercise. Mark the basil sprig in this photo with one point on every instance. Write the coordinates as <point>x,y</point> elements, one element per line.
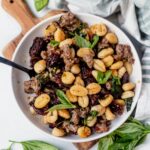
<point>94,113</point>
<point>127,137</point>
<point>102,78</point>
<point>40,4</point>
<point>84,43</point>
<point>94,41</point>
<point>54,43</point>
<point>65,103</point>
<point>116,85</point>
<point>34,145</point>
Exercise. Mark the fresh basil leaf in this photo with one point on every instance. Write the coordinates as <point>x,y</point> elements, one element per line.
<point>79,29</point>
<point>132,120</point>
<point>105,142</point>
<point>29,147</point>
<point>34,145</point>
<point>82,42</point>
<point>37,145</point>
<point>62,97</point>
<point>136,142</point>
<point>65,103</point>
<point>95,41</point>
<point>127,137</point>
<point>118,146</point>
<point>141,140</point>
<point>102,78</point>
<point>84,121</point>
<point>94,113</point>
<point>107,75</point>
<point>82,26</point>
<point>116,80</point>
<point>125,144</point>
<point>54,43</point>
<point>127,128</point>
<point>40,4</point>
<point>147,127</point>
<point>9,148</point>
<point>116,85</point>
<point>62,106</point>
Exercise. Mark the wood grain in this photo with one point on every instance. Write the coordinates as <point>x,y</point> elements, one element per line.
<point>20,11</point>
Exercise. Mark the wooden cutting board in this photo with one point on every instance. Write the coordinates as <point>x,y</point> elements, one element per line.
<point>20,11</point>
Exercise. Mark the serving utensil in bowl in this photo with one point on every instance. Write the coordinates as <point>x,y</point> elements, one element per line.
<point>30,72</point>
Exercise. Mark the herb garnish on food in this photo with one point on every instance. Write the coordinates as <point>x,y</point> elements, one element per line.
<point>102,78</point>
<point>94,41</point>
<point>82,42</point>
<point>54,43</point>
<point>65,103</point>
<point>116,85</point>
<point>94,113</point>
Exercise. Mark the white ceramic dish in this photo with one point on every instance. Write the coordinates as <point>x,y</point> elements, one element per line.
<point>21,56</point>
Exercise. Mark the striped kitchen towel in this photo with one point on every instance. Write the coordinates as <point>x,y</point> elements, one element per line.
<point>133,16</point>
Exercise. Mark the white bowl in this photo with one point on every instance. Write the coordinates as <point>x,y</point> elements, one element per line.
<point>21,56</point>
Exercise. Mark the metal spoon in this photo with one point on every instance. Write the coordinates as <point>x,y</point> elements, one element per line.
<point>30,72</point>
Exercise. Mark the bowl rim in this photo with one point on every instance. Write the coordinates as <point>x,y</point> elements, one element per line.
<point>80,139</point>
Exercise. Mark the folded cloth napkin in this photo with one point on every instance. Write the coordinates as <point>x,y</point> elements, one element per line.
<point>134,17</point>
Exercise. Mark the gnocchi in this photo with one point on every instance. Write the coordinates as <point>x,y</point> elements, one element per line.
<point>109,115</point>
<point>79,81</point>
<point>128,86</point>
<point>42,100</point>
<point>105,52</point>
<point>105,102</point>
<point>75,69</point>
<point>72,98</point>
<point>98,108</point>
<point>67,77</point>
<point>59,35</point>
<point>121,72</point>
<point>83,101</point>
<point>91,121</point>
<point>99,29</point>
<point>85,51</point>
<point>84,131</point>
<point>116,65</point>
<point>78,90</point>
<point>58,132</point>
<point>52,116</point>
<point>93,88</point>
<point>127,94</point>
<point>64,113</point>
<point>40,66</point>
<point>128,67</point>
<point>99,65</point>
<point>108,61</point>
<point>112,38</point>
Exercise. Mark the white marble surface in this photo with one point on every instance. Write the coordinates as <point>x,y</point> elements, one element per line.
<point>13,124</point>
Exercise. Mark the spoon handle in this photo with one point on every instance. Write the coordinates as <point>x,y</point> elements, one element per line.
<point>13,64</point>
